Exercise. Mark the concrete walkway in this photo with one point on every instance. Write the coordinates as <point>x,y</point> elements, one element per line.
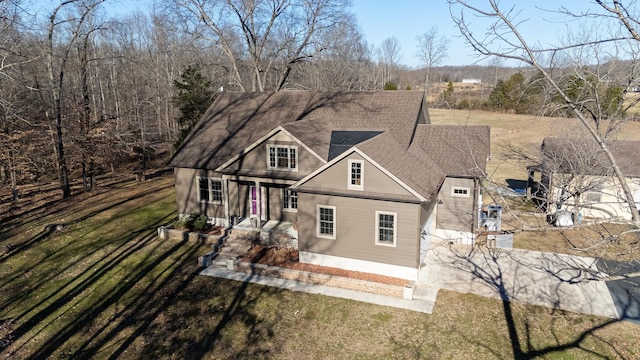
<point>423,300</point>
<point>417,304</point>
<point>551,280</point>
<point>557,281</point>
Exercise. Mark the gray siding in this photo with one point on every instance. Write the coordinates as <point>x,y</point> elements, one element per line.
<point>187,193</point>
<point>425,211</point>
<point>355,229</point>
<point>374,180</point>
<point>257,158</point>
<point>455,213</point>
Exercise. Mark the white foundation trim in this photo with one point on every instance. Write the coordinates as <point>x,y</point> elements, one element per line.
<point>402,272</point>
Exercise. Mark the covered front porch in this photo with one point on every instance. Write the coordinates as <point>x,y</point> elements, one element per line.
<point>254,202</point>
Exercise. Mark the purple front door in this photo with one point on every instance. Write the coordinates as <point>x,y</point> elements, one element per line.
<point>257,201</point>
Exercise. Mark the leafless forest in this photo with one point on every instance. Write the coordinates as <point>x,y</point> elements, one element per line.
<point>83,93</point>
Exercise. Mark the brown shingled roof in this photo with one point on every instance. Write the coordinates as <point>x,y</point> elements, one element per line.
<point>315,134</point>
<point>421,173</point>
<point>457,149</point>
<point>238,119</point>
<point>584,156</point>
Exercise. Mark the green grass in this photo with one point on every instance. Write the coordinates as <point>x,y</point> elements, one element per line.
<point>106,287</point>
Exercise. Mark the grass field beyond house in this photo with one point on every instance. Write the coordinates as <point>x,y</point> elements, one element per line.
<point>106,287</point>
<point>523,131</point>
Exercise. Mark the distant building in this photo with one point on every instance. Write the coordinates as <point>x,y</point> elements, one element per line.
<point>471,81</point>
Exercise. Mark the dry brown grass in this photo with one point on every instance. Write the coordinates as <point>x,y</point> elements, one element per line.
<point>106,287</point>
<point>523,131</point>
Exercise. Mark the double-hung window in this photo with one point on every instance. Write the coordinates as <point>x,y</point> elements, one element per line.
<point>326,221</point>
<point>210,190</point>
<point>386,228</point>
<point>282,157</point>
<point>289,200</point>
<point>356,168</point>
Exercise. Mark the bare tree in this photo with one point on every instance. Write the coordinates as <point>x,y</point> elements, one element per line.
<point>432,49</point>
<point>57,55</point>
<point>345,66</point>
<point>389,54</point>
<point>273,36</point>
<point>503,39</point>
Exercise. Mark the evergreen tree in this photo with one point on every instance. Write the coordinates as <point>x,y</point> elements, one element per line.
<point>509,95</point>
<point>390,86</point>
<point>194,95</point>
<point>447,95</point>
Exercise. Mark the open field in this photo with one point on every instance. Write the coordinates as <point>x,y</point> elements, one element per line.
<point>524,131</point>
<point>106,287</point>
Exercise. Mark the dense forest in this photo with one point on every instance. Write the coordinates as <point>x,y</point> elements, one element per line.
<point>83,93</point>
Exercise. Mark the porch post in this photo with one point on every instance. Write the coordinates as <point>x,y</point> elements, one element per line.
<point>226,198</point>
<point>259,204</point>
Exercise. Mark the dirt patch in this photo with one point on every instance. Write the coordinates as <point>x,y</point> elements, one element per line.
<point>288,258</point>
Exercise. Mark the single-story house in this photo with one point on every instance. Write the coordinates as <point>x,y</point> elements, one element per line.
<point>364,175</point>
<point>575,175</point>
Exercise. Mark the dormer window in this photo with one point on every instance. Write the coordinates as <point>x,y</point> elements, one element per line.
<point>356,168</point>
<point>282,157</point>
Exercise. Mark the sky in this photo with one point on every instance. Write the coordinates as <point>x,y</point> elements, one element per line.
<point>407,19</point>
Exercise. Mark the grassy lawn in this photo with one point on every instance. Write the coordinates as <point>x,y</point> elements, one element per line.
<point>107,287</point>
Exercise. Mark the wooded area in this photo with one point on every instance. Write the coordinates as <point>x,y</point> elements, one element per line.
<point>82,93</point>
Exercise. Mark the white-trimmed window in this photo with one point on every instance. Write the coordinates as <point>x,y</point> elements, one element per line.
<point>326,221</point>
<point>386,228</point>
<point>210,190</point>
<point>289,200</point>
<point>460,191</point>
<point>594,195</point>
<point>282,157</point>
<point>356,168</point>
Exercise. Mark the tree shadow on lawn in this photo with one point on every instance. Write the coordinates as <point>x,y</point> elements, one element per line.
<point>50,229</point>
<point>15,212</point>
<point>231,326</point>
<point>68,252</point>
<point>125,247</point>
<point>159,286</point>
<point>69,295</point>
<point>484,266</point>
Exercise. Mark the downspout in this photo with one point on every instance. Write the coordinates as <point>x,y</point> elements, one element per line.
<point>476,208</point>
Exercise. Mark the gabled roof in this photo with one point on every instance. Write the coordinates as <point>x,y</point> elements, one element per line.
<point>416,195</point>
<point>457,149</point>
<point>238,119</point>
<point>270,134</point>
<point>586,157</point>
<point>436,152</point>
<point>420,173</point>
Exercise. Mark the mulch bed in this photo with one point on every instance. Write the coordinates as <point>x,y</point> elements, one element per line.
<point>288,258</point>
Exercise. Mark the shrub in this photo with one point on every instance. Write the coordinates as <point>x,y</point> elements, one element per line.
<point>390,86</point>
<point>193,222</point>
<point>200,222</point>
<point>463,104</point>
